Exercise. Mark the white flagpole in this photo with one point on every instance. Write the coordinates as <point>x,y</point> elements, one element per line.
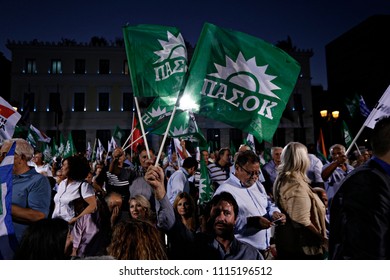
<point>142,127</point>
<point>128,138</point>
<point>131,144</point>
<point>165,136</point>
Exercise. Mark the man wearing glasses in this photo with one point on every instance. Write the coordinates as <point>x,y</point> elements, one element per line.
<point>256,211</point>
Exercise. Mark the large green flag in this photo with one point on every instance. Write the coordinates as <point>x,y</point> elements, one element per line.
<point>157,58</point>
<point>70,149</point>
<point>240,80</point>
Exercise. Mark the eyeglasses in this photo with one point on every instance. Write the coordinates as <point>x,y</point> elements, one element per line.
<point>251,173</point>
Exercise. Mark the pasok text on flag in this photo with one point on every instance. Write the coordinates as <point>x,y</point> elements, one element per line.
<point>3,122</point>
<point>237,98</point>
<point>168,68</point>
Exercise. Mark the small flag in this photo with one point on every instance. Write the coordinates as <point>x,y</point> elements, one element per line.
<point>39,135</point>
<point>250,141</point>
<point>118,134</point>
<point>70,149</point>
<point>205,188</point>
<point>8,242</point>
<point>321,150</point>
<point>61,147</point>
<point>352,105</point>
<point>347,135</point>
<point>363,107</point>
<point>136,135</point>
<point>382,108</point>
<point>9,117</point>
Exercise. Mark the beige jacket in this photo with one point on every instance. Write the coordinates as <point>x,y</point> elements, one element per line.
<point>303,206</point>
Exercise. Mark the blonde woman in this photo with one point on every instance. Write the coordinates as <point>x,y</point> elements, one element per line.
<point>304,234</point>
<point>140,208</point>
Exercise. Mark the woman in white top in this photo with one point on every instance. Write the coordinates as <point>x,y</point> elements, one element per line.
<point>75,169</point>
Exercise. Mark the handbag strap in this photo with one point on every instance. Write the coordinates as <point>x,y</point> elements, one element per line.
<point>80,189</point>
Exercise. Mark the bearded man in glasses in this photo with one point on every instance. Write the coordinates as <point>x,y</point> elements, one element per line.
<point>256,210</point>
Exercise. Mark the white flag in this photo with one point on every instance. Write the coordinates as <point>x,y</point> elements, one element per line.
<point>40,136</point>
<point>382,108</point>
<point>9,117</point>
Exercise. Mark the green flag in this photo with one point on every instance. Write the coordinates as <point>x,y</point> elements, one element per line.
<point>54,149</point>
<point>47,155</point>
<point>31,138</point>
<point>70,149</point>
<point>184,126</point>
<point>240,80</point>
<point>347,135</point>
<point>250,141</point>
<point>118,134</point>
<point>61,147</point>
<point>205,188</point>
<point>157,58</point>
<point>352,105</point>
<point>160,108</point>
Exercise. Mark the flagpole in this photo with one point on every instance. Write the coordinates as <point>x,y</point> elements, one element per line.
<point>128,138</point>
<point>165,135</point>
<point>142,127</point>
<point>135,141</point>
<point>93,150</point>
<point>367,121</point>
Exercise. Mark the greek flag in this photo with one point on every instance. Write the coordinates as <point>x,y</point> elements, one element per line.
<point>8,241</point>
<point>363,107</point>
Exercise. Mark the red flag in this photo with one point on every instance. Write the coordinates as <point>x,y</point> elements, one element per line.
<point>321,145</point>
<point>136,135</point>
<point>9,117</point>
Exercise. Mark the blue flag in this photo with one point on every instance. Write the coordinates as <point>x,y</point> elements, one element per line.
<point>363,107</point>
<point>8,240</point>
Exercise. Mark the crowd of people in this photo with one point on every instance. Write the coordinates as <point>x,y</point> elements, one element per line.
<point>131,208</point>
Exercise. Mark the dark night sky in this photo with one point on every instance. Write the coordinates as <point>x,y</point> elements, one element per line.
<point>310,24</point>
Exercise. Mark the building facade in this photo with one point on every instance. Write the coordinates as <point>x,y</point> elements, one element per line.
<point>90,84</point>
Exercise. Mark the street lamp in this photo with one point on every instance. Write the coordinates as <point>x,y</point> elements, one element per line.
<point>330,117</point>
<point>325,114</point>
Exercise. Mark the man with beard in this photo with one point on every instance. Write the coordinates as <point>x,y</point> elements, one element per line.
<point>223,245</point>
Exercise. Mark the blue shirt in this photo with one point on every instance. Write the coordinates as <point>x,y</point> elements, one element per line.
<point>30,190</point>
<point>178,182</point>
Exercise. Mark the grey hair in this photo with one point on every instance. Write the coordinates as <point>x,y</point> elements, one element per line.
<point>22,147</point>
<point>275,148</point>
<point>339,146</point>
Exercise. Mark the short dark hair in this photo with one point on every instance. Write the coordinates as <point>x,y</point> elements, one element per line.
<point>247,156</point>
<point>228,197</point>
<point>190,162</point>
<point>380,137</point>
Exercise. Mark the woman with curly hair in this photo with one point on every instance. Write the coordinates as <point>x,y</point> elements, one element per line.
<point>136,240</point>
<point>304,234</point>
<point>75,169</point>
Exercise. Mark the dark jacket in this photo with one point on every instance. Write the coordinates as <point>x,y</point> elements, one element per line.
<point>360,215</point>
